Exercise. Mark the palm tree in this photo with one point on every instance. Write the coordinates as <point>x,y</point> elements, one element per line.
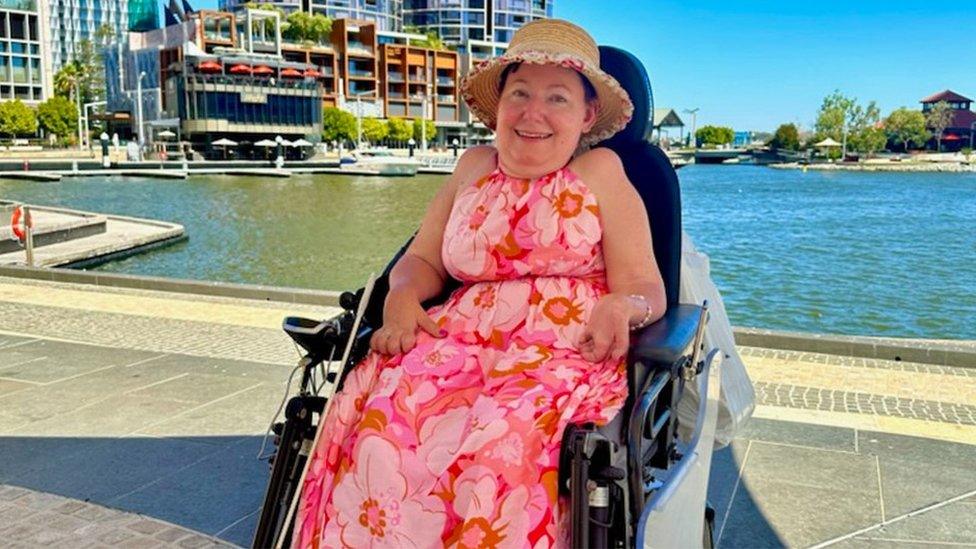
<point>66,80</point>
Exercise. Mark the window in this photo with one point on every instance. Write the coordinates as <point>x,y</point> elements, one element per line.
<point>18,27</point>
<point>20,70</point>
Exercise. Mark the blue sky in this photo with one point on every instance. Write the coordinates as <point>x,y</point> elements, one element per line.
<point>754,64</point>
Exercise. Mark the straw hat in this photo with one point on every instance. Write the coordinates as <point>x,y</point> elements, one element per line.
<point>551,42</point>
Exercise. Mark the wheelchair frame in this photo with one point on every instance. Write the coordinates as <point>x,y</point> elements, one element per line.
<point>606,502</point>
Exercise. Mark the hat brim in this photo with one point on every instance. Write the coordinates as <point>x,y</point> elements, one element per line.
<point>480,91</point>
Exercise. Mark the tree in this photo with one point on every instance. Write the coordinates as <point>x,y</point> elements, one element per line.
<point>714,135</point>
<point>787,136</point>
<point>338,125</point>
<point>302,27</point>
<point>866,133</point>
<point>430,128</point>
<point>16,118</point>
<point>906,126</point>
<point>835,113</point>
<point>938,119</point>
<point>85,73</point>
<point>58,116</point>
<point>104,34</point>
<point>869,140</point>
<point>399,129</point>
<point>375,130</point>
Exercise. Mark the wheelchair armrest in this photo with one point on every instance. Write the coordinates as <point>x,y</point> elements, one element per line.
<point>667,339</point>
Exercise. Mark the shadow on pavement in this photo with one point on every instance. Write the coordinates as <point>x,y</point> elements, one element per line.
<point>213,485</point>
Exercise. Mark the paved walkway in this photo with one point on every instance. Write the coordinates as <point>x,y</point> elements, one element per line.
<point>131,418</point>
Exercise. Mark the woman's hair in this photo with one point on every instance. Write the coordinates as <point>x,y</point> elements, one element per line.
<point>589,92</point>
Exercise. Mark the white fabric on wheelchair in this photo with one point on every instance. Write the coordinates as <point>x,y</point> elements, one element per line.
<point>738,398</point>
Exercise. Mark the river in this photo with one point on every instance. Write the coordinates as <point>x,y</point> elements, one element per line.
<point>884,254</point>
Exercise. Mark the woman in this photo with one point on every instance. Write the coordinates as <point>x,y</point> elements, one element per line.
<point>448,433</point>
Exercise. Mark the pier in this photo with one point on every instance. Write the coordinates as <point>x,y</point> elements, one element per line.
<point>64,237</point>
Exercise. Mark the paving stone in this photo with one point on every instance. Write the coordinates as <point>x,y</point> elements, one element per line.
<point>38,501</point>
<point>69,507</point>
<point>945,525</point>
<point>172,533</point>
<point>10,493</point>
<point>141,542</point>
<point>799,434</point>
<point>194,541</point>
<point>147,526</point>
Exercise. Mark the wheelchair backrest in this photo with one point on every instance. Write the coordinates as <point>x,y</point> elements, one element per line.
<point>647,167</point>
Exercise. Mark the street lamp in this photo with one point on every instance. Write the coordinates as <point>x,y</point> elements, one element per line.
<point>694,124</point>
<point>81,138</point>
<point>454,145</point>
<point>411,144</point>
<point>139,110</point>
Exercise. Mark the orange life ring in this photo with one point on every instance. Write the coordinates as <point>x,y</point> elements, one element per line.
<point>15,224</point>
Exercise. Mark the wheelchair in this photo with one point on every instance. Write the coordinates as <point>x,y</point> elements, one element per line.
<point>633,482</point>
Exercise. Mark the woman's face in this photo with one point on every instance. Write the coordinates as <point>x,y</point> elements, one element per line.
<point>542,113</point>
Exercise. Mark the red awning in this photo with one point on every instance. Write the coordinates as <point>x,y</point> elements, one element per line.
<point>951,137</point>
<point>262,69</point>
<point>240,69</point>
<point>291,73</point>
<point>210,66</point>
<point>313,73</point>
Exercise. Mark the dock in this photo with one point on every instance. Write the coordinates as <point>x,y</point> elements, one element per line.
<point>31,176</point>
<point>64,237</point>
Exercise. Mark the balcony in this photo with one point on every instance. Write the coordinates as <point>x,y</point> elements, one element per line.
<point>395,77</point>
<point>355,46</point>
<point>360,73</point>
<point>445,81</point>
<point>446,99</point>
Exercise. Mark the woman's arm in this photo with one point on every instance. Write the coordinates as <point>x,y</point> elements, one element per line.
<point>628,254</point>
<point>420,274</point>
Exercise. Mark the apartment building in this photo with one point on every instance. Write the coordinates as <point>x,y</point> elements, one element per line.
<point>458,21</point>
<point>70,22</point>
<point>25,71</point>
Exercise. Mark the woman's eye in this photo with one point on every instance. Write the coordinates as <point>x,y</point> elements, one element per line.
<point>519,93</point>
<point>558,99</point>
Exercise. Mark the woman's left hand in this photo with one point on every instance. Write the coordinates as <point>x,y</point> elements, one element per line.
<point>607,334</point>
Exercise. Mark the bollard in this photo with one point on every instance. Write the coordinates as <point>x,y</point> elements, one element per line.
<point>29,236</point>
<point>74,166</point>
<point>26,165</point>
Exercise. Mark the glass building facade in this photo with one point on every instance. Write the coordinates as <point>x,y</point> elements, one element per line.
<point>458,21</point>
<point>387,14</point>
<point>74,21</point>
<point>22,57</point>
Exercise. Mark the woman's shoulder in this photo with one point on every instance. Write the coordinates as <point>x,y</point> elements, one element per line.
<point>602,171</point>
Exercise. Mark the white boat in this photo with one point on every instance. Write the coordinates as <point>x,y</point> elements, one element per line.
<point>380,162</point>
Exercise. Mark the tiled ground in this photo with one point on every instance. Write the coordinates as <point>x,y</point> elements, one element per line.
<point>133,419</point>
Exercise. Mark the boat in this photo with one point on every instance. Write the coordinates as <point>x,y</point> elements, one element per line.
<point>379,162</point>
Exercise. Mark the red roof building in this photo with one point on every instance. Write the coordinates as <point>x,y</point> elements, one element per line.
<point>963,122</point>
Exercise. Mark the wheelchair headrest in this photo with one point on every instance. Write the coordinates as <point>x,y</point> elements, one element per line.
<point>630,72</point>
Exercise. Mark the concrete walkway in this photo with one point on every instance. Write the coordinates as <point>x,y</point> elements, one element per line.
<point>133,418</point>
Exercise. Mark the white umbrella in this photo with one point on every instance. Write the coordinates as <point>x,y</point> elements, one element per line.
<point>224,142</point>
<point>285,143</point>
<point>301,143</point>
<point>827,143</point>
<point>166,133</point>
<point>265,143</point>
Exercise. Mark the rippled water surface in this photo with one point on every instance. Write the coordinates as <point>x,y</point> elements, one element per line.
<point>874,254</point>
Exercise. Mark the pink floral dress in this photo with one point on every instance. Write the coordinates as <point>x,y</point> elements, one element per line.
<point>456,442</point>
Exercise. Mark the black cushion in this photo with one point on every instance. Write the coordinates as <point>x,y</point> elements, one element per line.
<point>647,167</point>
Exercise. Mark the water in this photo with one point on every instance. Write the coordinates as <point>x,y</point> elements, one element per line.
<point>852,253</point>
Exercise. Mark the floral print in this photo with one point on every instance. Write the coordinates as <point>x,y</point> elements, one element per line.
<point>456,442</point>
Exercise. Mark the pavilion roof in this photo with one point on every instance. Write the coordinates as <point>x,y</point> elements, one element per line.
<point>945,95</point>
<point>666,118</point>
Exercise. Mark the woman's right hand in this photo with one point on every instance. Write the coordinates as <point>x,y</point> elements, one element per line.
<point>403,316</point>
